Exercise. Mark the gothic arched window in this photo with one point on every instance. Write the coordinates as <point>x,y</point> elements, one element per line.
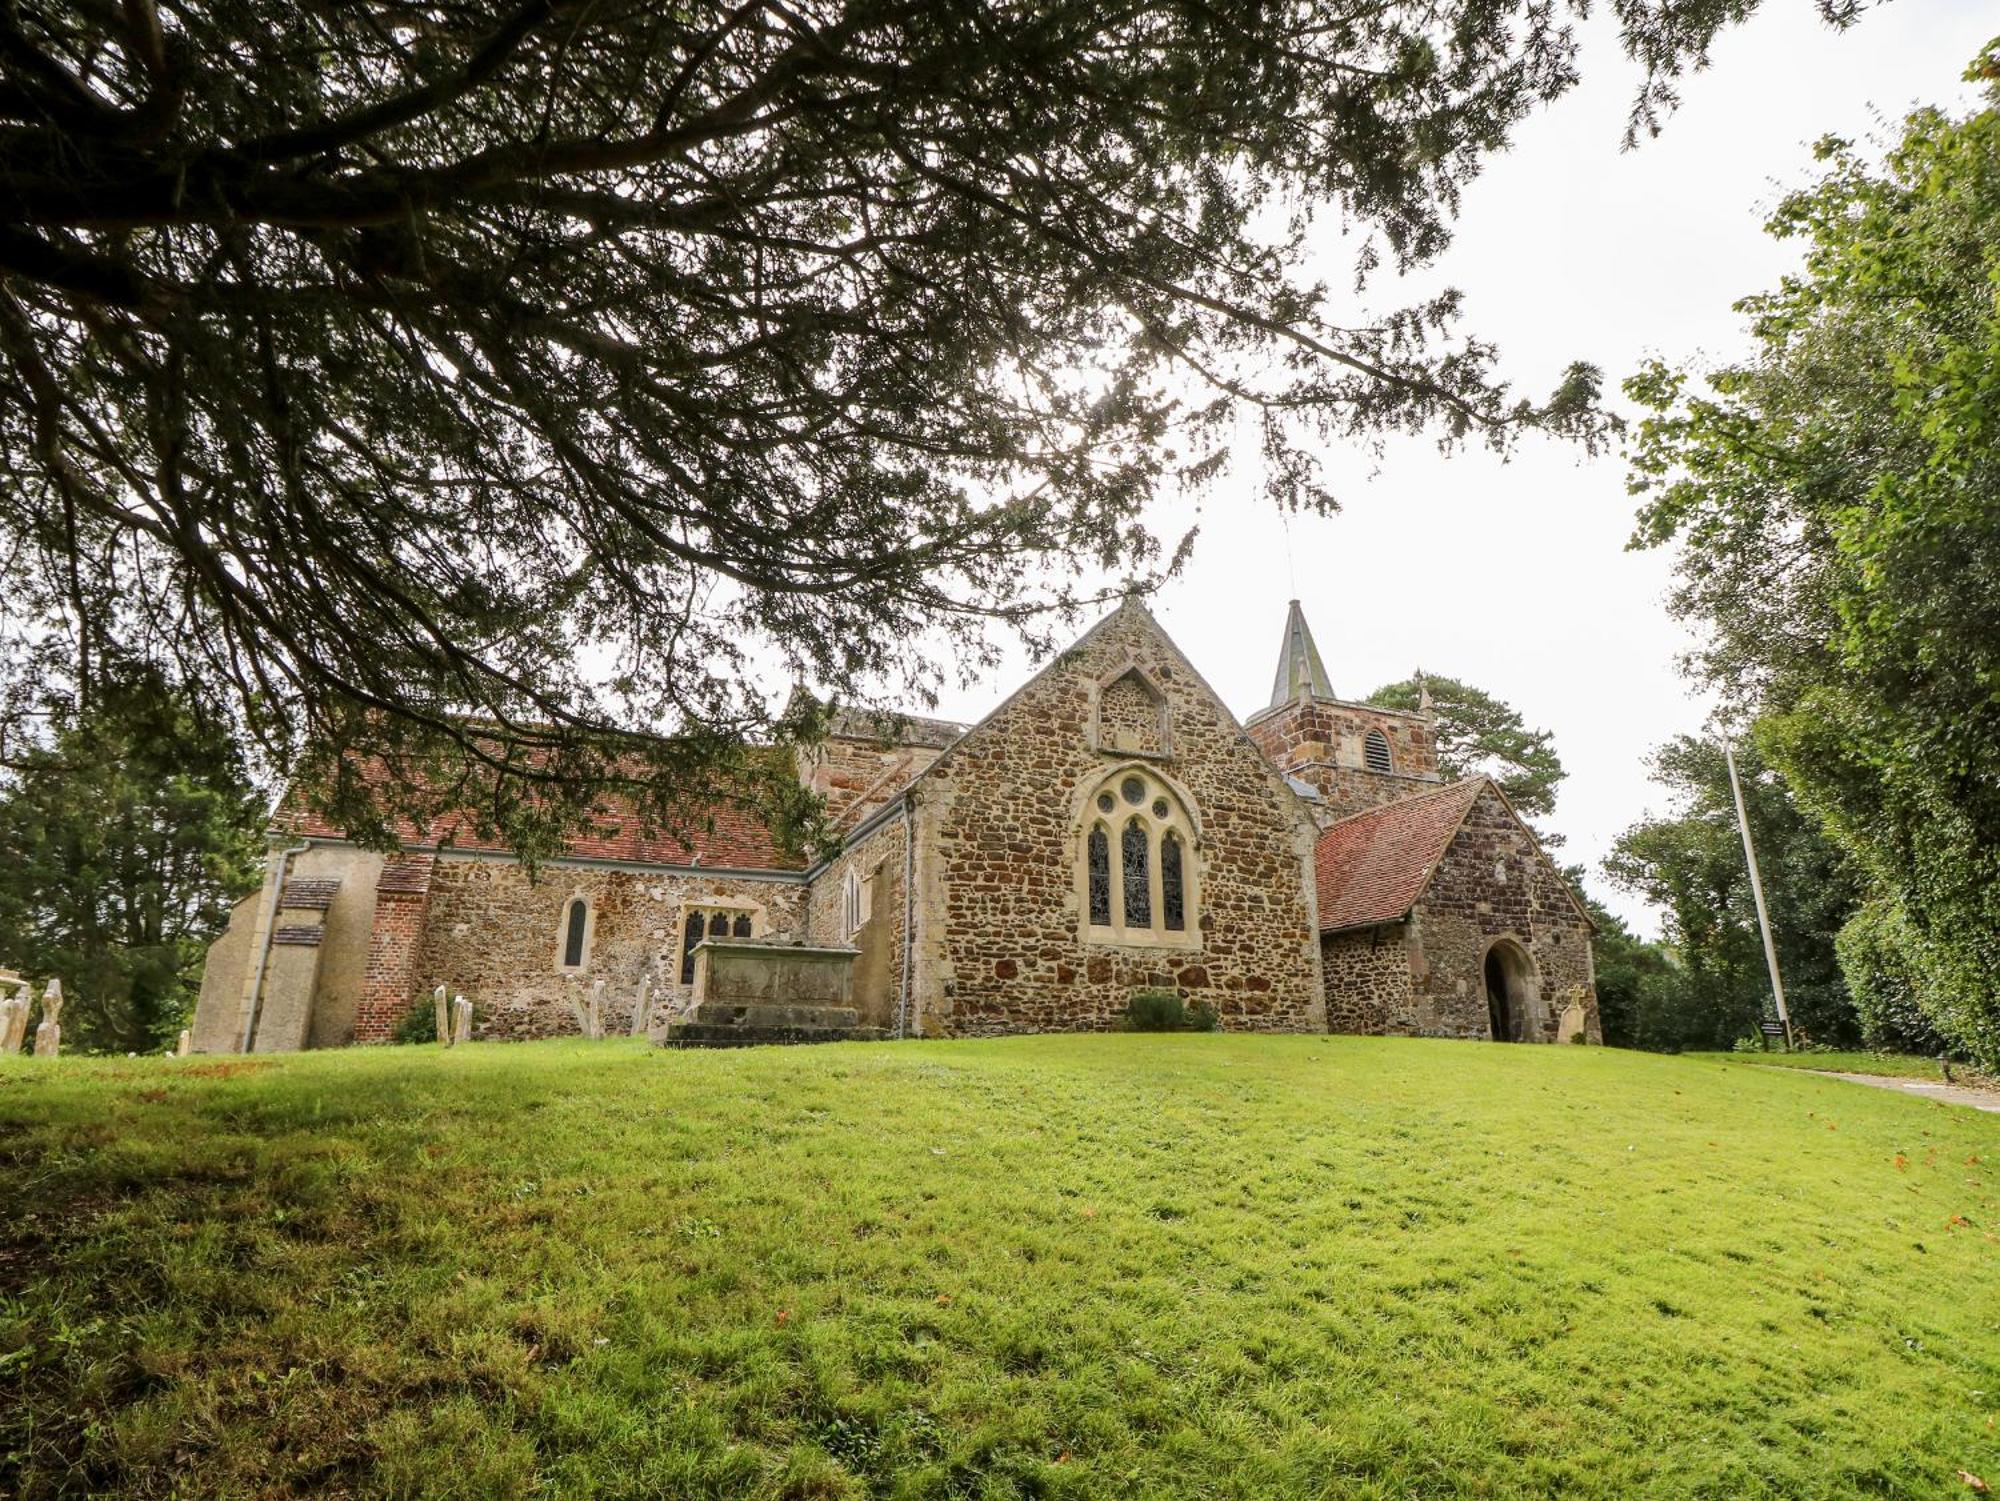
<point>1138,877</point>
<point>1376,752</point>
<point>576,933</point>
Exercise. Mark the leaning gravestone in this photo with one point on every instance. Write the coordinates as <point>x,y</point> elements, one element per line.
<point>461,1020</point>
<point>589,1010</point>
<point>642,1009</point>
<point>48,1036</point>
<point>13,1022</point>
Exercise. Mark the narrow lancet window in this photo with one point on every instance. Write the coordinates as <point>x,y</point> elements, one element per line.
<point>1100,877</point>
<point>1138,879</point>
<point>573,933</point>
<point>1173,894</point>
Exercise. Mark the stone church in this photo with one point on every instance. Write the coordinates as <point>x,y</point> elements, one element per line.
<point>1110,828</point>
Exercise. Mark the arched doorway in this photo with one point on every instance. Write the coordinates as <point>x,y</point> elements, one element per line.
<point>1510,992</point>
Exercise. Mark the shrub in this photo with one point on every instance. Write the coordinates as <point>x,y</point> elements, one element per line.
<point>1878,958</point>
<point>1202,1017</point>
<point>419,1023</point>
<point>1155,1011</point>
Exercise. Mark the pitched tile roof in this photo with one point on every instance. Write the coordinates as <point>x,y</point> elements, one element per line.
<point>723,835</point>
<point>1372,867</point>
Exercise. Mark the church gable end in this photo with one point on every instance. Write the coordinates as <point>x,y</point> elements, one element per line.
<point>1041,910</point>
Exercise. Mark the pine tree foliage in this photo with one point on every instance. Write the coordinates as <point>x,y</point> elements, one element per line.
<point>1479,735</point>
<point>128,828</point>
<point>482,381</point>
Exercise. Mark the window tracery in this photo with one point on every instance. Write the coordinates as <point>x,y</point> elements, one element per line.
<point>712,922</point>
<point>1137,878</point>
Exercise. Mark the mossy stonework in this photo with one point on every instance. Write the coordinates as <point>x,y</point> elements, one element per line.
<point>1110,828</point>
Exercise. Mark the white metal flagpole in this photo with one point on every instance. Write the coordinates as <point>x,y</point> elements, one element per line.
<point>1757,891</point>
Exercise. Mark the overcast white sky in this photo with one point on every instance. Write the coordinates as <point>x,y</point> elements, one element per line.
<point>1514,575</point>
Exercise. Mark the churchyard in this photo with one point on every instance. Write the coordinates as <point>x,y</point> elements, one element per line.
<point>1195,1265</point>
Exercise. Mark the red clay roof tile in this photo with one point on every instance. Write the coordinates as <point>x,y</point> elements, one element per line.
<point>1372,866</point>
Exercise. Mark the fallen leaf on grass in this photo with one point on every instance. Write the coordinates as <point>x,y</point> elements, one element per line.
<point>1973,1481</point>
<point>784,1317</point>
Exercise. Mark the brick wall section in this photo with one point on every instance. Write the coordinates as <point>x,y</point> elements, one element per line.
<point>1367,978</point>
<point>1323,742</point>
<point>1000,945</point>
<point>402,896</point>
<point>1494,882</point>
<point>866,760</point>
<point>496,936</point>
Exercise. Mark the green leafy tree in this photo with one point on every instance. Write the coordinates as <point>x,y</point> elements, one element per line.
<point>1478,735</point>
<point>1632,972</point>
<point>127,830</point>
<point>485,384</point>
<point>1836,502</point>
<point>1691,866</point>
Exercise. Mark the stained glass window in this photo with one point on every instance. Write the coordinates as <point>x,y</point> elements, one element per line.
<point>1106,802</point>
<point>1134,790</point>
<point>1138,884</point>
<point>579,918</point>
<point>689,938</point>
<point>1100,877</point>
<point>1173,893</point>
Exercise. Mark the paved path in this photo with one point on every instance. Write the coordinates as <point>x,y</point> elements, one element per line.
<point>1977,1096</point>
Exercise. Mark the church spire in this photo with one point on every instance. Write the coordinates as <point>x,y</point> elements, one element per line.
<point>1301,674</point>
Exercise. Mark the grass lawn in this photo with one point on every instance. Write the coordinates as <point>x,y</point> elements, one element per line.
<point>1890,1065</point>
<point>1091,1266</point>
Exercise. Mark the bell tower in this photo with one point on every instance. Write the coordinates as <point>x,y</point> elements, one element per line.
<point>1355,756</point>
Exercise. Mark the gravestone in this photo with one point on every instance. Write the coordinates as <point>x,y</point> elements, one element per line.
<point>48,1036</point>
<point>642,1009</point>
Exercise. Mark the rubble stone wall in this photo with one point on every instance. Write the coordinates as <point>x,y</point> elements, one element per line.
<point>496,936</point>
<point>1367,978</point>
<point>877,859</point>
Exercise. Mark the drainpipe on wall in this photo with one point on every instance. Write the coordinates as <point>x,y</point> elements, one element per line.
<point>274,885</point>
<point>909,909</point>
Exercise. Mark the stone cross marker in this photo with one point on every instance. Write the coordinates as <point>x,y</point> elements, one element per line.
<point>48,1036</point>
